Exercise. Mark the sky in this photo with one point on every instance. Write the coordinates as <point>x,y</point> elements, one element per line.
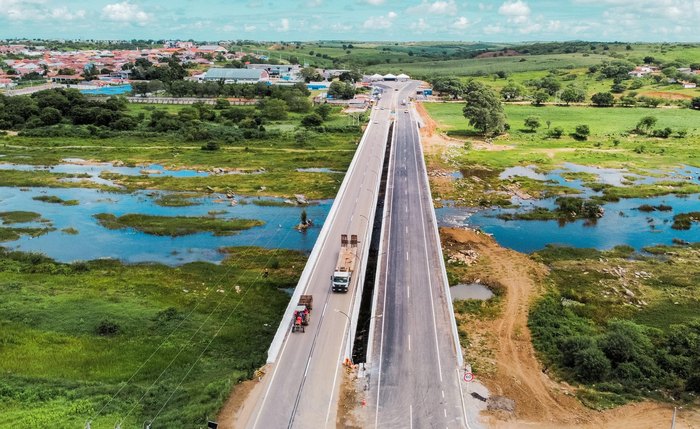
<point>357,20</point>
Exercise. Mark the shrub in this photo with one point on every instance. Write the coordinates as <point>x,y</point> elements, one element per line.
<point>591,365</point>
<point>211,145</point>
<point>107,328</point>
<point>555,133</point>
<point>582,132</point>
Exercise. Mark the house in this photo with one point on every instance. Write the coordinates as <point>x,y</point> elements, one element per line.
<point>689,85</point>
<point>212,49</point>
<point>403,77</point>
<point>7,83</point>
<point>389,78</point>
<point>237,75</point>
<point>642,71</point>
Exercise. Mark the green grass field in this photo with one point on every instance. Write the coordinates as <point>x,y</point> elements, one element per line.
<point>108,342</point>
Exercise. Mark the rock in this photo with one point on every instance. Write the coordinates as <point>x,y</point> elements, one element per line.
<point>629,293</point>
<point>500,403</point>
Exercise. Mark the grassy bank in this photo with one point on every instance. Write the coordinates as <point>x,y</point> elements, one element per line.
<point>175,226</point>
<point>74,335</point>
<point>621,323</point>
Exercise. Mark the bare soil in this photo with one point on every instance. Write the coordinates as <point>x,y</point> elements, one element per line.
<point>234,403</point>
<point>514,372</point>
<point>668,95</point>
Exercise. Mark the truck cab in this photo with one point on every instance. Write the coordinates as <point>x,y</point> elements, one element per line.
<point>340,280</point>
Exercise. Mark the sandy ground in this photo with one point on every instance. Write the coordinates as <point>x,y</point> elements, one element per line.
<point>504,347</point>
<point>540,402</point>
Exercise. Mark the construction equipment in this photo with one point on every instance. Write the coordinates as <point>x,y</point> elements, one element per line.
<point>302,314</point>
<point>340,280</point>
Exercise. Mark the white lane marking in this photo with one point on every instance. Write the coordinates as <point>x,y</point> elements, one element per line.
<point>443,394</point>
<point>408,290</point>
<point>410,415</point>
<point>445,410</point>
<point>406,209</point>
<point>407,256</point>
<point>409,342</point>
<point>407,230</point>
<point>335,377</point>
<point>425,250</point>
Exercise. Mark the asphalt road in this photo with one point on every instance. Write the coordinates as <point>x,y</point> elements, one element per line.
<point>415,382</point>
<point>301,389</point>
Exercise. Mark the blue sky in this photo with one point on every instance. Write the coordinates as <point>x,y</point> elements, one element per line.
<point>409,20</point>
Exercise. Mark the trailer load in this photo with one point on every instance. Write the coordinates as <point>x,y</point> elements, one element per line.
<point>342,276</point>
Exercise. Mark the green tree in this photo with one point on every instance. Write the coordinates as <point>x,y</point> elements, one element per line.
<point>512,91</point>
<point>50,116</point>
<point>695,103</point>
<point>573,95</point>
<point>483,109</point>
<point>591,365</point>
<point>556,132</point>
<point>341,90</point>
<point>312,120</point>
<point>451,86</point>
<point>275,110</point>
<point>540,97</point>
<point>324,111</point>
<point>645,124</point>
<point>532,123</point>
<point>582,132</point>
<point>603,99</point>
<point>310,74</point>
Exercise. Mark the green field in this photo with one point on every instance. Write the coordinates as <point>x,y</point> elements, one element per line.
<point>175,226</point>
<point>481,66</point>
<point>104,341</point>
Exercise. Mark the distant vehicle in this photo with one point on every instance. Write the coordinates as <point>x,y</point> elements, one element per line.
<point>302,314</point>
<point>396,89</point>
<point>376,122</point>
<point>405,111</point>
<point>340,280</point>
<point>403,102</point>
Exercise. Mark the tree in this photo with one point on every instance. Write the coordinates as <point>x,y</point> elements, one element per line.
<point>324,111</point>
<point>591,364</point>
<point>616,69</point>
<point>573,95</point>
<point>483,109</point>
<point>549,84</point>
<point>312,120</point>
<point>350,76</point>
<point>512,91</point>
<point>556,132</point>
<point>582,132</point>
<point>603,99</point>
<point>540,97</point>
<point>448,85</point>
<point>274,109</point>
<point>50,116</point>
<point>645,124</point>
<point>532,123</point>
<point>341,90</point>
<point>695,103</point>
<point>310,74</point>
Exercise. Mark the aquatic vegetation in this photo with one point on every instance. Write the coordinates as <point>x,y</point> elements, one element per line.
<point>175,226</point>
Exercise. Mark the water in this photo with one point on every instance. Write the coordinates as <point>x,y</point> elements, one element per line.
<point>470,291</point>
<point>95,241</point>
<point>621,224</point>
<point>95,169</point>
<point>109,90</point>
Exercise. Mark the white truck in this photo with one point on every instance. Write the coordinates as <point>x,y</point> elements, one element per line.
<point>340,280</point>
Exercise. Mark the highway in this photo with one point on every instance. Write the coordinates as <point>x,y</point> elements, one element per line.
<point>415,382</point>
<point>301,388</point>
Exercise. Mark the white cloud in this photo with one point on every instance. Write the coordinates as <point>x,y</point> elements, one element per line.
<point>64,14</point>
<point>37,10</point>
<point>420,26</point>
<point>493,29</point>
<point>380,22</point>
<point>249,28</point>
<point>439,7</point>
<point>374,2</point>
<point>125,12</point>
<point>283,25</point>
<point>517,12</point>
<point>314,3</point>
<point>461,23</point>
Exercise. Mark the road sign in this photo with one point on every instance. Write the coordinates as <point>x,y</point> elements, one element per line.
<point>468,377</point>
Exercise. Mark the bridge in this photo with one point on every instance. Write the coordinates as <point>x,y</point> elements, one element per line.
<point>413,356</point>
